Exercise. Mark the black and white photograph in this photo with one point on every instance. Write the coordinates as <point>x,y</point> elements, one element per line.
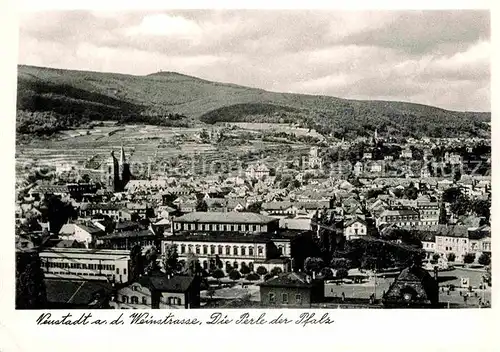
<point>240,159</point>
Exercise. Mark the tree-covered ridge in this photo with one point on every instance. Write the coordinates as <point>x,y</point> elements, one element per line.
<point>61,99</point>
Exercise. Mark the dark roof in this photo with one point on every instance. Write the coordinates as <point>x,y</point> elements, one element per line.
<point>163,283</point>
<point>225,218</point>
<point>74,291</point>
<point>90,228</point>
<point>69,244</point>
<point>129,234</point>
<point>299,280</point>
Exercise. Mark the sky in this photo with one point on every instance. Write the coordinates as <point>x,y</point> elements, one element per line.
<point>439,58</point>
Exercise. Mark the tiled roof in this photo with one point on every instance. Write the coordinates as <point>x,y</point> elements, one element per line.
<point>129,234</point>
<point>163,283</point>
<point>288,280</point>
<point>227,217</point>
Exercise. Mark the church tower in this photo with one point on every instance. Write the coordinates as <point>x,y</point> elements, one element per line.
<point>124,169</point>
<point>112,173</point>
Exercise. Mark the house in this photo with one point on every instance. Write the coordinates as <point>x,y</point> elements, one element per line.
<point>297,290</point>
<point>358,168</point>
<point>114,211</point>
<point>86,234</point>
<point>428,210</point>
<point>158,291</point>
<point>452,239</point>
<point>403,217</point>
<point>355,228</point>
<point>406,154</point>
<point>257,172</point>
<point>126,240</point>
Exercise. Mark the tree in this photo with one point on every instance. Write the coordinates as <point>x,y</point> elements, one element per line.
<point>451,257</point>
<point>327,273</point>
<point>218,274</point>
<point>234,275</point>
<point>276,271</point>
<point>252,277</point>
<point>255,207</point>
<point>469,258</point>
<point>443,217</point>
<point>218,262</point>
<point>461,206</point>
<point>484,259</point>
<point>451,195</point>
<point>313,264</point>
<point>30,285</point>
<point>411,192</point>
<point>268,276</point>
<point>244,270</point>
<point>261,270</point>
<point>136,262</point>
<point>341,273</point>
<point>202,206</point>
<point>192,265</point>
<point>170,259</point>
<point>435,258</point>
<point>340,263</point>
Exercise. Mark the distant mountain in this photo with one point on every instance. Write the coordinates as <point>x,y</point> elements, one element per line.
<point>53,99</point>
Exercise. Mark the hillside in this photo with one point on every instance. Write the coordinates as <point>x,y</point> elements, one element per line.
<point>52,99</point>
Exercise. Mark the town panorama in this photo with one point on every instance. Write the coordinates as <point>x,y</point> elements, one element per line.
<point>167,191</point>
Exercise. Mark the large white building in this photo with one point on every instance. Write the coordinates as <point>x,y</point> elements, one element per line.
<point>233,251</point>
<point>86,264</point>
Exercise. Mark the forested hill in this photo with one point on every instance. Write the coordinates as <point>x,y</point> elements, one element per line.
<point>53,99</point>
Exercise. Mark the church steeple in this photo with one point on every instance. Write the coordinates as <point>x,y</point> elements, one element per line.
<point>122,156</point>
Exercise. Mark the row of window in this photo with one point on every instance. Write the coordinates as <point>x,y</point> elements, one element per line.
<point>284,298</point>
<point>172,301</point>
<point>63,265</point>
<point>57,272</point>
<point>236,250</point>
<point>216,227</point>
<point>401,217</point>
<point>134,300</point>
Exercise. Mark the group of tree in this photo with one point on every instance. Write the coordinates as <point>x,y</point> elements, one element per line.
<point>461,204</point>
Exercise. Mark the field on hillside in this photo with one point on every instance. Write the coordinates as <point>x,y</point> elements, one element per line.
<point>77,149</point>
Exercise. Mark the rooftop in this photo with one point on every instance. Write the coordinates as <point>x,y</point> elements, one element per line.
<point>225,218</point>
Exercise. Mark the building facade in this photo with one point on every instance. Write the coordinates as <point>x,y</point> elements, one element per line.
<point>86,264</point>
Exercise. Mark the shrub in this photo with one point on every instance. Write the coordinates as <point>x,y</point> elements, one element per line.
<point>327,273</point>
<point>229,268</point>
<point>252,277</point>
<point>338,263</point>
<point>276,271</point>
<point>218,274</point>
<point>469,258</point>
<point>268,276</point>
<point>342,273</point>
<point>261,270</point>
<point>235,275</point>
<point>244,270</point>
<point>313,264</point>
<point>451,257</point>
<point>484,259</point>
